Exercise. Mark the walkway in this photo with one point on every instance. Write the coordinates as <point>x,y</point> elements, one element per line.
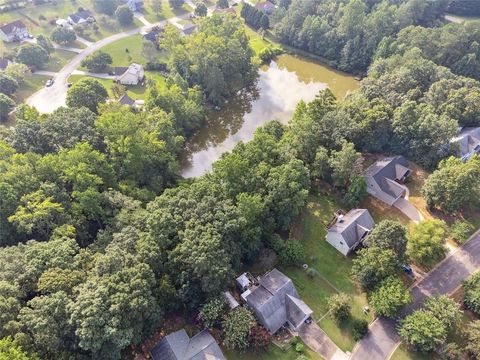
<point>97,75</point>
<point>318,341</point>
<point>445,278</point>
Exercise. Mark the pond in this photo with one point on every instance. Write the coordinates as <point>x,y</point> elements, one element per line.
<point>278,90</point>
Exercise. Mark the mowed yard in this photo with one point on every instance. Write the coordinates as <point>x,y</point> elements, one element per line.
<point>272,353</point>
<point>165,12</point>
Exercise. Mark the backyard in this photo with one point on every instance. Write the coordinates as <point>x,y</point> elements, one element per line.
<point>165,11</point>
<point>273,353</point>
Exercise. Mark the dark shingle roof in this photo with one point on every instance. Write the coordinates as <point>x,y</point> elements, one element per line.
<point>8,28</point>
<point>353,225</point>
<point>126,100</point>
<point>4,63</point>
<point>119,70</point>
<point>178,346</point>
<point>84,14</point>
<point>386,171</point>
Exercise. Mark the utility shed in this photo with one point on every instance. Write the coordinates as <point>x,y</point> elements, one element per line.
<point>276,302</point>
<point>349,230</point>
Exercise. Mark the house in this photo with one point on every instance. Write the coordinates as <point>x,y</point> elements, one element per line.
<point>131,75</point>
<point>468,142</point>
<point>276,303</point>
<point>4,63</point>
<point>186,27</point>
<point>80,17</point>
<point>349,230</point>
<point>126,100</point>
<point>62,23</point>
<point>179,346</point>
<point>153,35</point>
<point>229,10</point>
<point>134,5</point>
<point>385,177</point>
<point>266,7</point>
<point>14,31</point>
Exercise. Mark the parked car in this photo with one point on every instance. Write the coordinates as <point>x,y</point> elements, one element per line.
<point>407,268</point>
<point>69,84</point>
<point>49,82</point>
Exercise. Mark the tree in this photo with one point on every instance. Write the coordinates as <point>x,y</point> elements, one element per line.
<point>222,4</point>
<point>444,309</point>
<point>124,15</point>
<point>360,329</point>
<point>156,6</point>
<point>372,265</point>
<point>105,6</point>
<point>453,186</point>
<point>389,234</point>
<point>426,242</point>
<point>291,253</point>
<point>32,55</point>
<point>63,35</point>
<point>344,163</point>
<point>150,52</point>
<point>18,72</point>
<point>213,312</point>
<point>389,297</point>
<point>9,350</point>
<point>37,214</point>
<point>176,3</point>
<point>8,85</point>
<point>236,328</point>
<point>423,331</point>
<point>6,106</point>
<point>259,338</point>
<point>472,293</point>
<point>356,191</point>
<point>87,92</point>
<point>473,336</point>
<point>339,306</point>
<point>201,10</point>
<point>97,62</point>
<point>460,231</point>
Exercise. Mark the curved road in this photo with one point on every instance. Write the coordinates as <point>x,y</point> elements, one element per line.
<point>445,278</point>
<point>47,99</point>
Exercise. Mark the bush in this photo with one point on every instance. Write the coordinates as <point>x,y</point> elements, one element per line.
<point>213,312</point>
<point>299,348</point>
<point>360,329</point>
<point>460,231</point>
<point>291,253</point>
<point>340,305</point>
<point>472,293</point>
<point>259,338</point>
<point>124,15</point>
<point>311,273</point>
<point>268,53</point>
<point>236,328</point>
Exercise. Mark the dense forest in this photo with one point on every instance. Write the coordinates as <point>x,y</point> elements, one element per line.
<point>101,238</point>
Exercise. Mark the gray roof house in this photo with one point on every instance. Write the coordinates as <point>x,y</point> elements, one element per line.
<point>384,178</point>
<point>275,302</point>
<point>349,230</point>
<point>179,346</point>
<point>80,17</point>
<point>468,142</point>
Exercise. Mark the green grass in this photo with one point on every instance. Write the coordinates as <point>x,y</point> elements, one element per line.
<point>134,44</point>
<point>32,84</point>
<point>166,11</point>
<point>58,59</point>
<point>273,353</point>
<point>333,268</point>
<point>403,353</point>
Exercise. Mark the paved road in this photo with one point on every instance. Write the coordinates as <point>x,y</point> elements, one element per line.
<point>444,279</point>
<point>46,100</point>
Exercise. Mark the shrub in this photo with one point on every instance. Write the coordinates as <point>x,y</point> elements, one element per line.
<point>472,293</point>
<point>311,273</point>
<point>236,328</point>
<point>360,329</point>
<point>214,311</point>
<point>268,53</point>
<point>299,348</point>
<point>460,231</point>
<point>291,253</point>
<point>340,305</point>
<point>259,338</point>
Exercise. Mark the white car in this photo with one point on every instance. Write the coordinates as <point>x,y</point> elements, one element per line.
<point>49,82</point>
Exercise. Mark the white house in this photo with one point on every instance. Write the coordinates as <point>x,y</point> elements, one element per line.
<point>80,17</point>
<point>349,230</point>
<point>468,142</point>
<point>14,31</point>
<point>132,75</point>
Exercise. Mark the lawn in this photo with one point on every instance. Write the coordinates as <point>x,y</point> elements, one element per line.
<point>403,353</point>
<point>58,59</point>
<point>32,84</point>
<point>273,353</point>
<point>333,269</point>
<point>166,11</point>
<point>128,50</point>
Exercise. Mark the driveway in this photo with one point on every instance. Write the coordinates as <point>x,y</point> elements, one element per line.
<point>408,209</point>
<point>443,279</point>
<point>46,100</point>
<point>97,75</point>
<point>318,341</point>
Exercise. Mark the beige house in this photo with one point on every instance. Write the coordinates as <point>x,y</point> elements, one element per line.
<point>132,75</point>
